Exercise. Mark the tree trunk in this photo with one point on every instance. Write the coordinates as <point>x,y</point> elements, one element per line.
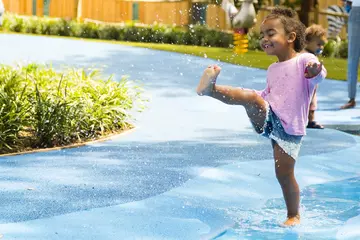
<point>306,7</point>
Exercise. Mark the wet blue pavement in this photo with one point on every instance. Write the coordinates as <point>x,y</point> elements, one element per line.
<point>192,169</point>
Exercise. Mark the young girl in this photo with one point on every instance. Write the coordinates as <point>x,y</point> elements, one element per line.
<point>280,111</point>
<point>315,37</point>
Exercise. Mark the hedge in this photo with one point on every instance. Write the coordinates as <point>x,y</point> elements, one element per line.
<point>41,107</point>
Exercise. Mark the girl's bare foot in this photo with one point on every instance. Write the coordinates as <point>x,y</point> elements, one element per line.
<point>208,80</point>
<point>291,221</point>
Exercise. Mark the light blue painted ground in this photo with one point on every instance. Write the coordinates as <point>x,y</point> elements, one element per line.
<point>193,169</point>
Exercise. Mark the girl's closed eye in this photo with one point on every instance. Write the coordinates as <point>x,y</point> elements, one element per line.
<point>271,32</point>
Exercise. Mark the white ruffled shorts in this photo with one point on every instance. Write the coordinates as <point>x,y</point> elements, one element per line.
<point>274,130</point>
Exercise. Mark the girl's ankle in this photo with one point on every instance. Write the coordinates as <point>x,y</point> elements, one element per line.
<point>297,216</point>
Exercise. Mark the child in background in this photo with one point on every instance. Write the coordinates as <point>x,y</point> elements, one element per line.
<point>315,37</point>
<point>280,112</point>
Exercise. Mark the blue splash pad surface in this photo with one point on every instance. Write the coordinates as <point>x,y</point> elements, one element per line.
<point>193,169</point>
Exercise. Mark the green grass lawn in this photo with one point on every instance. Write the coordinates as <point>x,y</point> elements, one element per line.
<point>336,67</point>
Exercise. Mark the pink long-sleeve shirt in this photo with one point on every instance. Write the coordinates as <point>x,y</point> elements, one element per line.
<point>289,93</point>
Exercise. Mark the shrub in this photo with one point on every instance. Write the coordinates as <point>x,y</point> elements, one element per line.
<point>342,51</point>
<point>14,109</point>
<point>109,32</point>
<point>41,107</point>
<point>254,41</point>
<point>196,35</point>
<point>330,48</point>
<point>199,35</point>
<point>29,25</point>
<point>13,24</point>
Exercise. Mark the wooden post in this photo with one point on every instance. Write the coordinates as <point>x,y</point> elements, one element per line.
<point>34,4</point>
<point>189,12</point>
<point>39,8</point>
<point>316,14</point>
<point>47,7</point>
<point>304,11</point>
<point>79,11</point>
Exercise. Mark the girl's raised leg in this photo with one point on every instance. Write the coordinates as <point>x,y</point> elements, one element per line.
<point>254,104</point>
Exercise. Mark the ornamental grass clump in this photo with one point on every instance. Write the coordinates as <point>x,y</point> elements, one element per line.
<point>41,107</point>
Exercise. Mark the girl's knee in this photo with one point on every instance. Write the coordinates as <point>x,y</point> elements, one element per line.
<point>257,100</point>
<point>284,166</point>
<point>257,126</point>
<point>259,130</point>
<point>285,173</point>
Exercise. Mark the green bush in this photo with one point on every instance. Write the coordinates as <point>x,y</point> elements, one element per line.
<point>40,107</point>
<point>109,32</point>
<point>14,109</point>
<point>13,24</point>
<point>330,48</point>
<point>335,48</point>
<point>342,51</point>
<point>195,35</point>
<point>30,26</point>
<point>199,35</point>
<point>254,41</point>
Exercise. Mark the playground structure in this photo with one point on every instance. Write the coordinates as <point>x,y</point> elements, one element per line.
<point>241,20</point>
<point>241,42</point>
<point>169,12</point>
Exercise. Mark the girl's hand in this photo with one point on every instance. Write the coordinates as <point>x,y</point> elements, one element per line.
<point>312,69</point>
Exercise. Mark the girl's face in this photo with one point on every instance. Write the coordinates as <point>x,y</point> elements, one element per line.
<point>273,38</point>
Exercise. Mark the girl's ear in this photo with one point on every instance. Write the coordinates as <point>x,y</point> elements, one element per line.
<point>291,37</point>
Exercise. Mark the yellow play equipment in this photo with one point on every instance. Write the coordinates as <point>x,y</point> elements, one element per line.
<point>241,42</point>
<point>241,20</point>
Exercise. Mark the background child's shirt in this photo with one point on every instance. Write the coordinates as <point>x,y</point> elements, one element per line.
<point>289,93</point>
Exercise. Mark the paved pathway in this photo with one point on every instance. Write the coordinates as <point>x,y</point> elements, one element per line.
<point>192,169</point>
